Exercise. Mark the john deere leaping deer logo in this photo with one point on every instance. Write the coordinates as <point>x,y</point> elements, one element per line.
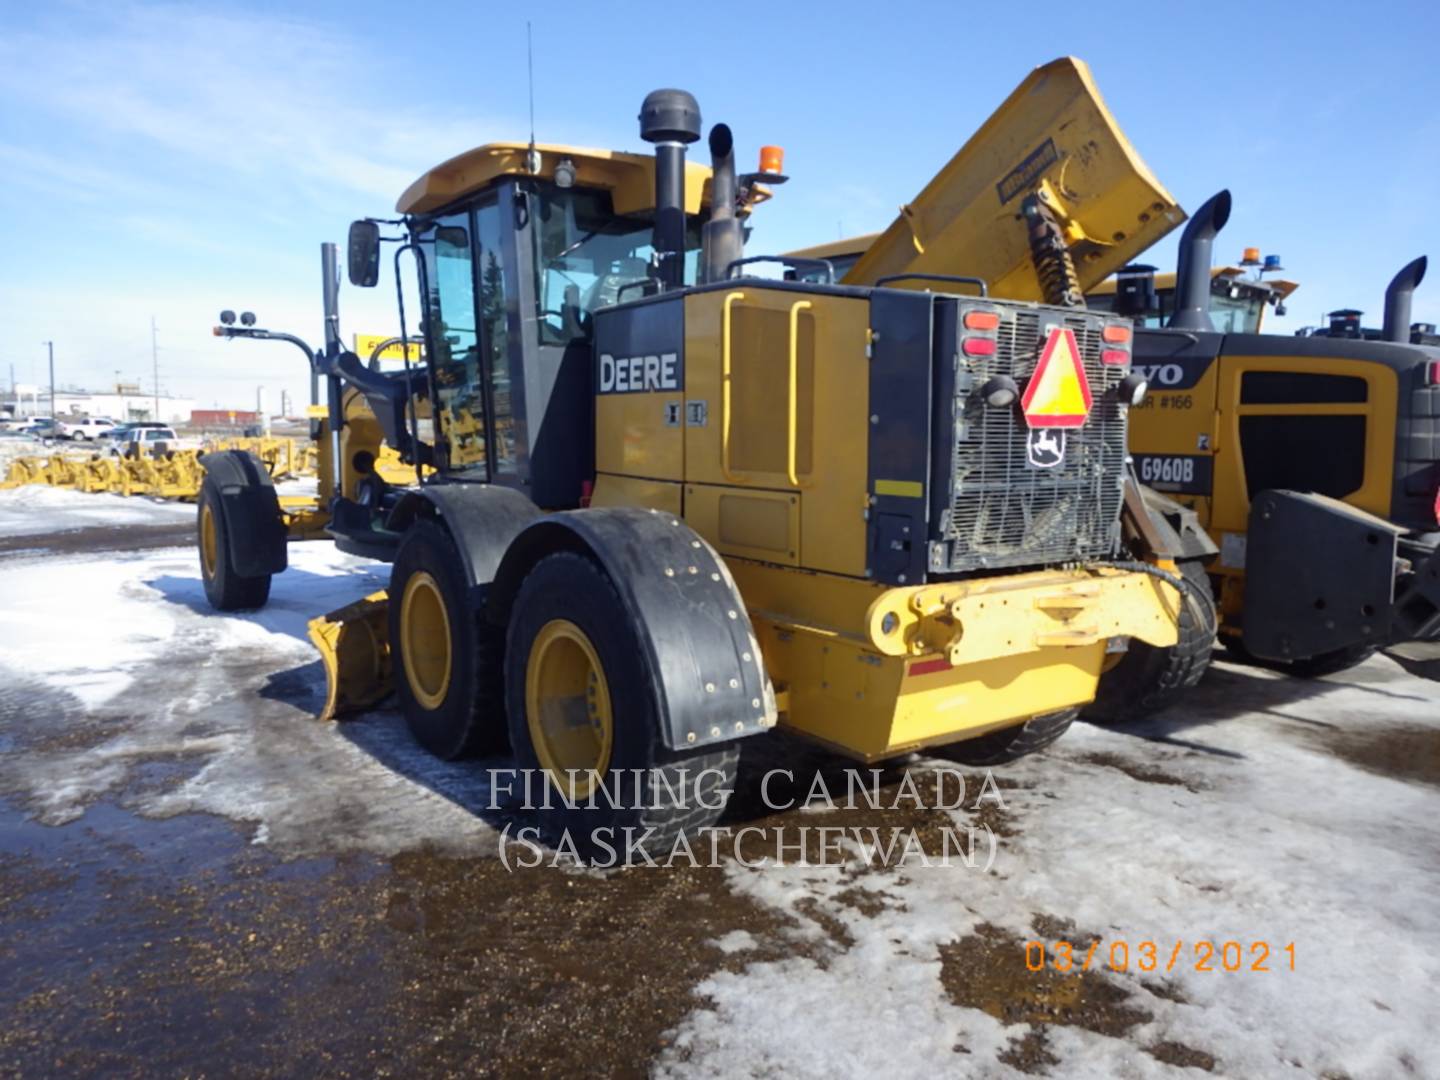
<point>1045,448</point>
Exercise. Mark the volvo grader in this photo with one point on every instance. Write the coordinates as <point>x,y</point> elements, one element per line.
<point>662,504</point>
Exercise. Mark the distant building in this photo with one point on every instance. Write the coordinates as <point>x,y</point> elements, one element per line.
<point>223,418</point>
<point>122,403</point>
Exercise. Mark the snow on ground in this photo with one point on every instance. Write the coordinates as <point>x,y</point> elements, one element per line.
<point>35,509</point>
<point>1248,828</point>
<point>1264,809</point>
<point>130,639</point>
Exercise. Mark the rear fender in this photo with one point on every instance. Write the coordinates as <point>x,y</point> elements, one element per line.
<point>695,634</point>
<point>483,520</point>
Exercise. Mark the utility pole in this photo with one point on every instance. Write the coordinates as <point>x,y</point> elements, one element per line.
<point>50,346</point>
<point>155,366</point>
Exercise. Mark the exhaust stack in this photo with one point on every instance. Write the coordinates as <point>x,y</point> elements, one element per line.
<point>670,119</point>
<point>1192,280</point>
<point>722,239</point>
<point>1397,301</point>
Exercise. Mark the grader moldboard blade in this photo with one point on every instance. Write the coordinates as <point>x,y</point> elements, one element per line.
<point>354,646</point>
<point>1053,138</point>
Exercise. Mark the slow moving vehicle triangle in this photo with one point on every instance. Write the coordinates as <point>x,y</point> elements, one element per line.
<point>1058,394</point>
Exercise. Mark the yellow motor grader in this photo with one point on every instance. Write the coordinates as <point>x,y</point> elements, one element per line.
<point>674,503</point>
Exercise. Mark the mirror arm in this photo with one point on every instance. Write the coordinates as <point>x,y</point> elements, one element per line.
<point>266,335</point>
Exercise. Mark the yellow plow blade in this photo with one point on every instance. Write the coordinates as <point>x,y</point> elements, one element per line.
<point>1053,136</point>
<point>354,645</point>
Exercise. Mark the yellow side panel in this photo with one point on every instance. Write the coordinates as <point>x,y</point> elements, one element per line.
<point>640,435</point>
<point>634,491</point>
<point>1182,423</point>
<point>741,348</point>
<point>1231,510</point>
<point>746,523</point>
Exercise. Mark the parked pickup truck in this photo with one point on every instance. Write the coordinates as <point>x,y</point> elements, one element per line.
<point>85,430</point>
<point>150,438</point>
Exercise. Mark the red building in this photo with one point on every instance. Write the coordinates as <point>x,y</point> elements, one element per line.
<point>212,418</point>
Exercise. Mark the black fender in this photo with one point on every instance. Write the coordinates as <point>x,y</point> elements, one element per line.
<point>253,523</point>
<point>700,648</point>
<point>483,519</point>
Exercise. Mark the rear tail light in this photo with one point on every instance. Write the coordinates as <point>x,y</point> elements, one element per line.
<point>978,346</point>
<point>1114,356</point>
<point>1432,373</point>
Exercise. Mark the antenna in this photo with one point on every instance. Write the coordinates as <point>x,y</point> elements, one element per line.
<point>532,161</point>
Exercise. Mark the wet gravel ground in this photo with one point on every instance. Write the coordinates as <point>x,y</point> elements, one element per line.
<point>146,936</point>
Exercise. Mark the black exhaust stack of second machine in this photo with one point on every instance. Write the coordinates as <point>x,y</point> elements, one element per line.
<point>723,238</point>
<point>671,120</point>
<point>1192,282</point>
<point>1397,300</point>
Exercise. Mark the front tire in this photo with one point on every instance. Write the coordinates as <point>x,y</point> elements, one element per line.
<point>224,588</point>
<point>584,712</point>
<point>446,657</point>
<point>1148,678</point>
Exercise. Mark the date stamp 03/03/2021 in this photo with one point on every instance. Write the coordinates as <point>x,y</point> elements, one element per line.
<point>1205,956</point>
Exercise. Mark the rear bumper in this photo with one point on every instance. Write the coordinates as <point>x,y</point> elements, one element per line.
<point>939,663</point>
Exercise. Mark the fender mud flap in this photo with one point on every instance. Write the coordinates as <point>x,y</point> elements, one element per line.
<point>354,646</point>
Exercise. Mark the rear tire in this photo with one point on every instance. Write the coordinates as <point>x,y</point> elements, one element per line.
<point>1148,678</point>
<point>579,697</point>
<point>1012,743</point>
<point>447,658</point>
<point>224,588</point>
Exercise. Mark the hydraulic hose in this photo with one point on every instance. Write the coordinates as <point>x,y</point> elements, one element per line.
<point>1203,603</point>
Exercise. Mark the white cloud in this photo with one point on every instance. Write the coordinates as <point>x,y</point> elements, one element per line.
<point>197,158</point>
<point>274,99</point>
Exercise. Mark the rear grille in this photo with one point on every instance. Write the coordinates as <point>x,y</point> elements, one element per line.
<point>1004,512</point>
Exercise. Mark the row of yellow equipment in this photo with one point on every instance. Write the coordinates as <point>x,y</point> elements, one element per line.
<point>165,474</point>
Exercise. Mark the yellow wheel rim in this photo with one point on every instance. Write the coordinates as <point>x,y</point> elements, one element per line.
<point>209,544</point>
<point>425,640</point>
<point>567,708</point>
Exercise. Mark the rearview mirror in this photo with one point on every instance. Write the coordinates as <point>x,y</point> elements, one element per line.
<point>364,253</point>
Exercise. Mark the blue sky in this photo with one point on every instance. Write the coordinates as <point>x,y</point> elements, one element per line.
<point>176,159</point>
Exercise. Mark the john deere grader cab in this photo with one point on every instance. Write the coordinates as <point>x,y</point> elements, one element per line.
<point>673,504</point>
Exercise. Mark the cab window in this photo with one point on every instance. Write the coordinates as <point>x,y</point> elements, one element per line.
<point>587,258</point>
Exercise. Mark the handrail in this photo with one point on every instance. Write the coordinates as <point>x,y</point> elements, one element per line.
<point>793,427</point>
<point>730,300</point>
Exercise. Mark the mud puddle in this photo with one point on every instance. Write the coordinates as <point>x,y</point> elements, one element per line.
<point>988,971</point>
<point>1411,754</point>
<point>180,947</point>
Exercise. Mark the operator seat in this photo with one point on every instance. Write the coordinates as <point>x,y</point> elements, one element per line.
<point>606,290</point>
